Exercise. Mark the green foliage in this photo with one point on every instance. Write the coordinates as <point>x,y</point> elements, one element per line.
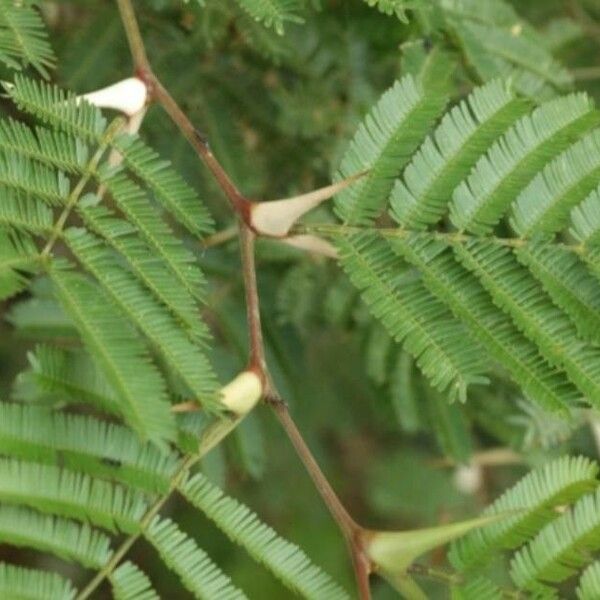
<point>128,582</point>
<point>532,504</point>
<point>469,263</point>
<point>197,572</point>
<point>285,560</point>
<point>18,582</point>
<point>23,37</point>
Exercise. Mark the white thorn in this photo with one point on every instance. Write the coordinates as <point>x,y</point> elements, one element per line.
<point>128,96</point>
<point>242,393</point>
<point>468,479</point>
<point>276,218</point>
<point>312,243</point>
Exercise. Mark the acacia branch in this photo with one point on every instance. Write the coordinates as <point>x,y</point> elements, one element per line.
<point>352,532</point>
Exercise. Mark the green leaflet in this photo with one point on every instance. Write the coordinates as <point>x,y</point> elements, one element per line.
<point>585,220</point>
<point>543,207</point>
<point>508,51</point>
<point>186,360</point>
<point>445,158</point>
<point>441,345</point>
<point>135,204</point>
<point>561,548</point>
<point>130,583</point>
<point>470,303</point>
<point>23,38</point>
<point>517,293</point>
<point>53,148</point>
<point>63,538</point>
<point>567,281</point>
<point>62,377</point>
<point>61,492</point>
<point>31,178</point>
<point>90,445</point>
<point>58,108</point>
<point>480,201</point>
<point>170,189</point>
<point>382,145</point>
<point>23,213</point>
<point>18,255</point>
<point>19,582</point>
<point>140,389</point>
<point>196,570</point>
<point>285,560</point>
<point>154,273</point>
<point>532,501</point>
<point>589,583</point>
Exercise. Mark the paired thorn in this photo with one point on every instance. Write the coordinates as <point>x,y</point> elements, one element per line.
<point>276,218</point>
<point>129,96</point>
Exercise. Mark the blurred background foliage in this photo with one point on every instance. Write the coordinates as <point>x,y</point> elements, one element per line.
<point>278,111</point>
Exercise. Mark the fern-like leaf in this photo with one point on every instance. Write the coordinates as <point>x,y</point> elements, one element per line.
<point>184,358</point>
<point>129,583</point>
<point>18,257</point>
<point>84,443</point>
<point>570,285</point>
<point>23,38</point>
<point>58,108</point>
<point>61,492</point>
<point>480,201</point>
<point>532,502</point>
<point>33,179</point>
<point>62,377</point>
<point>589,583</point>
<point>468,300</point>
<point>32,584</point>
<point>441,345</point>
<point>240,524</point>
<point>561,548</point>
<point>392,7</point>
<point>382,145</point>
<point>197,571</point>
<point>53,148</point>
<point>122,356</point>
<point>22,213</point>
<point>543,207</point>
<point>517,292</point>
<point>134,202</point>
<point>170,189</point>
<point>477,589</point>
<point>444,159</point>
<point>63,538</point>
<point>153,273</point>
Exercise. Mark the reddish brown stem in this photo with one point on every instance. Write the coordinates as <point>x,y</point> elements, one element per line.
<point>257,352</point>
<point>353,533</point>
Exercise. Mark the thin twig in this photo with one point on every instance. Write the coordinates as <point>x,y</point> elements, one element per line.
<point>258,361</point>
<point>353,533</point>
<point>586,73</point>
<point>134,37</point>
<point>220,237</point>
